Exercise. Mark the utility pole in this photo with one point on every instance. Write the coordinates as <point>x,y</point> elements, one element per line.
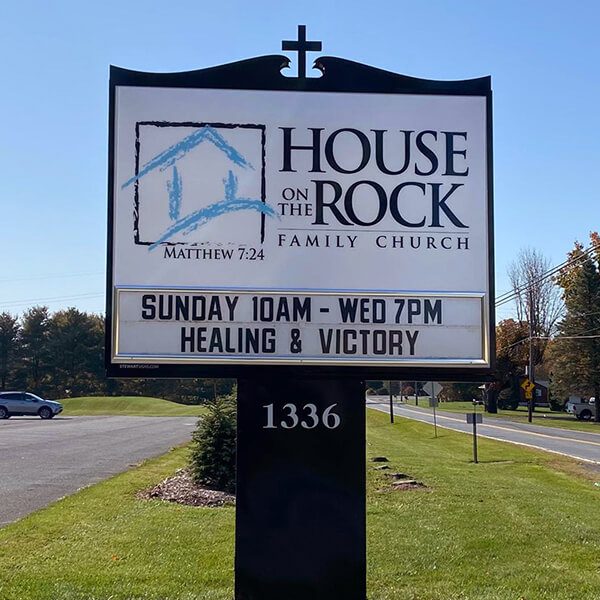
<point>531,374</point>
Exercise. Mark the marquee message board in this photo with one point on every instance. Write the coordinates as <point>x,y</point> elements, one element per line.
<point>326,224</point>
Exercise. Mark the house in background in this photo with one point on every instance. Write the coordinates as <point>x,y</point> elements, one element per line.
<point>540,394</point>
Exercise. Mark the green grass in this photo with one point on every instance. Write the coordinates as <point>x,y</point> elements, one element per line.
<point>521,524</point>
<point>541,416</point>
<point>127,405</point>
<point>102,543</point>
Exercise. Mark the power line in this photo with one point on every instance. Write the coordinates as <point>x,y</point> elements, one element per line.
<point>580,335</point>
<point>51,299</point>
<point>40,277</point>
<point>515,344</point>
<point>509,296</point>
<point>550,272</point>
<point>568,337</point>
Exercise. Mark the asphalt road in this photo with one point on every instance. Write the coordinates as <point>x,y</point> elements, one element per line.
<point>577,444</point>
<point>42,461</point>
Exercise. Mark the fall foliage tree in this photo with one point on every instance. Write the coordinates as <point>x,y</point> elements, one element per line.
<point>576,366</point>
<point>512,352</point>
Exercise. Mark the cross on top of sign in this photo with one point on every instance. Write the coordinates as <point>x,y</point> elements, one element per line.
<point>302,46</point>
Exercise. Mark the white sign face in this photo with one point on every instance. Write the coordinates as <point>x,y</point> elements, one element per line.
<point>281,227</point>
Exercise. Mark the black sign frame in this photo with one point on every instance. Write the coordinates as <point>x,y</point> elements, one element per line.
<point>338,75</point>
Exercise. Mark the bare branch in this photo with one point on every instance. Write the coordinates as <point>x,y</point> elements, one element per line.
<point>537,298</point>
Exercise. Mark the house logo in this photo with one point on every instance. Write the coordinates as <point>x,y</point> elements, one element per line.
<point>199,184</point>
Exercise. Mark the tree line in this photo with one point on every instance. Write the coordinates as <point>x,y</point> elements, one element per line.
<point>560,309</point>
<point>61,354</point>
<point>576,347</point>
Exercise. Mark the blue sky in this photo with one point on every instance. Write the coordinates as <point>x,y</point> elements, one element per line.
<point>543,58</point>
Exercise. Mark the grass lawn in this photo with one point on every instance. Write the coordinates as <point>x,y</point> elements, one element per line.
<point>541,415</point>
<point>520,525</point>
<point>138,406</point>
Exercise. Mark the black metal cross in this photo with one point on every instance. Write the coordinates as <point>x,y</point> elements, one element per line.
<point>302,47</point>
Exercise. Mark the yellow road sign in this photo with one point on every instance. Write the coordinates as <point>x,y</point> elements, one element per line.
<point>528,394</point>
<point>528,386</point>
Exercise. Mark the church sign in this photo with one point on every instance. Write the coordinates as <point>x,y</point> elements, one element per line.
<point>302,234</point>
<point>340,223</point>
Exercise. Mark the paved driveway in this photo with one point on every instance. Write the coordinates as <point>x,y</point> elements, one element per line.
<point>578,444</point>
<point>42,461</point>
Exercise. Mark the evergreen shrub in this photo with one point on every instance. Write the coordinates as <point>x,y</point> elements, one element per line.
<point>212,458</point>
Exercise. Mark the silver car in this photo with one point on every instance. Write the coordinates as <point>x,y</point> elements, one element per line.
<point>24,403</point>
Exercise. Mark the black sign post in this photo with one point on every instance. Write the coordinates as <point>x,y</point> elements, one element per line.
<point>474,418</point>
<point>300,508</point>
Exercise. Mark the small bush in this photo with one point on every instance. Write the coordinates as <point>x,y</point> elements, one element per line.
<point>508,400</point>
<point>212,459</point>
<point>557,403</point>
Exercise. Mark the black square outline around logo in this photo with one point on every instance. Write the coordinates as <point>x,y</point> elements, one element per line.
<point>136,197</point>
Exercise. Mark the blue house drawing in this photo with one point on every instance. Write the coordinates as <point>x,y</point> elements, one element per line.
<point>230,202</point>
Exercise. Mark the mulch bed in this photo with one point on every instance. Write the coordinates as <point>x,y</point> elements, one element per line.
<point>400,482</point>
<point>181,489</point>
<point>403,482</point>
<point>408,484</point>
